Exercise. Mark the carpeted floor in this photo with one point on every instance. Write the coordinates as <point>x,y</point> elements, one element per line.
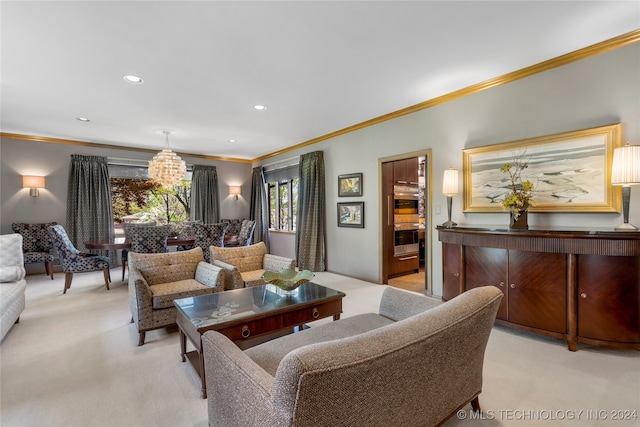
<point>72,361</point>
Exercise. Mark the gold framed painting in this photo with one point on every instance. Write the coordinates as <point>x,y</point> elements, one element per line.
<point>571,171</point>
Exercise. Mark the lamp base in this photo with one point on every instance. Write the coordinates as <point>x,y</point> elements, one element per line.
<point>626,227</point>
<point>449,224</point>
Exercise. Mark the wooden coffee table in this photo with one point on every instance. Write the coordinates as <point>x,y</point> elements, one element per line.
<point>245,314</point>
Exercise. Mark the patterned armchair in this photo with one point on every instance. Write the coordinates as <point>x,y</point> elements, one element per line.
<point>208,235</point>
<point>36,244</point>
<point>73,261</point>
<point>155,280</point>
<point>246,264</point>
<point>126,227</point>
<point>245,235</point>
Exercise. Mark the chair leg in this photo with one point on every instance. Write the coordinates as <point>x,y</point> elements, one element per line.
<point>106,277</point>
<point>475,404</point>
<point>124,268</point>
<point>141,338</point>
<point>48,267</point>
<point>68,277</point>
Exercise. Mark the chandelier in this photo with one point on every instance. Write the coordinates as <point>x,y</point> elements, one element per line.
<point>166,167</point>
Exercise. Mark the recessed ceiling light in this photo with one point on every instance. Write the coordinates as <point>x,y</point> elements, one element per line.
<point>260,107</point>
<point>133,79</point>
<point>82,119</point>
<point>231,140</point>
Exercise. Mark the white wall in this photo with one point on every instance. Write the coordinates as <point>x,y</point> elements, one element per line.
<point>596,91</point>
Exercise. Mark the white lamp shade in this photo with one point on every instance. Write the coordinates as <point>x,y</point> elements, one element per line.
<point>33,182</point>
<point>235,189</point>
<point>450,182</point>
<point>625,169</point>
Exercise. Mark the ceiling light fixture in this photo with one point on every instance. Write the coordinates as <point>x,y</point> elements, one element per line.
<point>166,167</point>
<point>133,79</point>
<point>82,119</point>
<point>231,140</point>
<point>260,107</point>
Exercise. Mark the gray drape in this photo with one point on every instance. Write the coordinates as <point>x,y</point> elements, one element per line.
<point>311,225</point>
<point>89,212</point>
<point>258,208</point>
<point>205,197</point>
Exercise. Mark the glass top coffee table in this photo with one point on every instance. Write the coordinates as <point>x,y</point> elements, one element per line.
<point>245,314</point>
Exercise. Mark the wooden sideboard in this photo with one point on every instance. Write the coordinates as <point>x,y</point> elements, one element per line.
<point>581,286</point>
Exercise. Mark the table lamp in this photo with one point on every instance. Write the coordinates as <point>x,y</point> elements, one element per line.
<point>625,172</point>
<point>449,188</point>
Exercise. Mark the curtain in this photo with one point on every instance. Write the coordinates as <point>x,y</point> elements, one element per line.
<point>205,197</point>
<point>89,213</point>
<point>311,224</point>
<point>258,208</point>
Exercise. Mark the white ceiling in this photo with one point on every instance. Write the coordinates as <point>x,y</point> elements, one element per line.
<point>318,66</point>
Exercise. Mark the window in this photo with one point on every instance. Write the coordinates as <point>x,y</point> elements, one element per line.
<point>135,198</point>
<point>283,204</point>
<point>282,192</point>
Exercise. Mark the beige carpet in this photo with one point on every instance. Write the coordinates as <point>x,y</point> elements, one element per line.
<point>73,361</point>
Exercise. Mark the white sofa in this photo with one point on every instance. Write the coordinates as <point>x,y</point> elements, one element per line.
<point>12,282</point>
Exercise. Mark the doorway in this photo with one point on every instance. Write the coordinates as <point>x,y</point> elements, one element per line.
<point>415,274</point>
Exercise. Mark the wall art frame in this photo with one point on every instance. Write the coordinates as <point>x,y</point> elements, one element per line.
<point>350,185</point>
<point>571,171</point>
<point>351,214</point>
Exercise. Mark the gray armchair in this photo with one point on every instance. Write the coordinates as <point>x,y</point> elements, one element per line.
<point>415,363</point>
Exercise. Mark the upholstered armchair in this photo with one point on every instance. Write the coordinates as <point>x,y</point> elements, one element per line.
<point>36,244</point>
<point>246,264</point>
<point>244,236</point>
<point>208,235</point>
<point>155,280</point>
<point>154,245</point>
<point>73,261</point>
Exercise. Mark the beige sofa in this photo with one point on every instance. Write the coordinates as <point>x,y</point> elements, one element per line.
<point>12,282</point>
<point>246,264</point>
<point>414,364</point>
<point>155,280</point>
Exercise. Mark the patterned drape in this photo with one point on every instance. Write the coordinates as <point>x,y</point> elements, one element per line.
<point>205,197</point>
<point>89,213</point>
<point>311,225</point>
<point>258,208</point>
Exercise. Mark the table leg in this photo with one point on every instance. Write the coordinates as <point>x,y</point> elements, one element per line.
<point>183,345</point>
<point>202,373</point>
<point>336,317</point>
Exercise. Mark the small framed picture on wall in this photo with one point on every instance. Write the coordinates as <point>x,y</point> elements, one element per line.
<point>350,185</point>
<point>351,215</point>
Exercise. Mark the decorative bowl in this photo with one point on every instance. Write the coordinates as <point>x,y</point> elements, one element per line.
<point>287,279</point>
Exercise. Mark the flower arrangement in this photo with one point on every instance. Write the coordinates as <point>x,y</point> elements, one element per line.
<point>519,198</point>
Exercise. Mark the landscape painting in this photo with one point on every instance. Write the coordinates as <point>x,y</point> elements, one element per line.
<point>571,172</point>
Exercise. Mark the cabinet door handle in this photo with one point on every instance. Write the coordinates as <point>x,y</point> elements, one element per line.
<point>456,274</point>
<point>502,284</point>
<point>408,258</point>
<point>583,295</point>
<point>513,286</point>
<point>389,215</point>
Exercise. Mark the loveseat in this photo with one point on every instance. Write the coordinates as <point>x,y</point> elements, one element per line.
<point>12,282</point>
<point>155,280</point>
<point>415,363</point>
